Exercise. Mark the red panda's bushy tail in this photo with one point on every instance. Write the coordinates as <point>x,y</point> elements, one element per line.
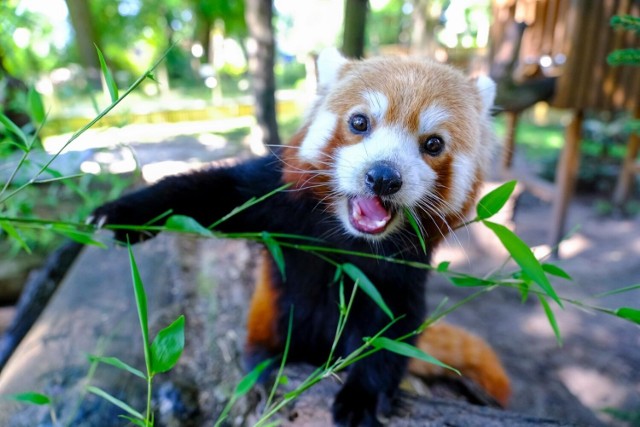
<point>471,355</point>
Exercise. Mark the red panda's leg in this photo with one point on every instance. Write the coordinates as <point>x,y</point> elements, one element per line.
<point>262,332</point>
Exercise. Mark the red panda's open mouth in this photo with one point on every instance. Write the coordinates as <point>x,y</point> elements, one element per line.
<point>368,214</point>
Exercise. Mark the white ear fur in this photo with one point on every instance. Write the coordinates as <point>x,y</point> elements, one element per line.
<point>329,63</point>
<point>487,89</point>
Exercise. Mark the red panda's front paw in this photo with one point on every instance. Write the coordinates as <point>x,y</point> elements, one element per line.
<point>116,217</point>
<point>355,407</point>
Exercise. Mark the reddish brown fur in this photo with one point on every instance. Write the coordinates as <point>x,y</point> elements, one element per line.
<point>263,311</point>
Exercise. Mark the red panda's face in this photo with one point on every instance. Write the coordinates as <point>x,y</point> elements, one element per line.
<point>390,135</point>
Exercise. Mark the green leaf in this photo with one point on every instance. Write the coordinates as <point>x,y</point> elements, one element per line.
<point>629,314</point>
<point>36,107</point>
<point>108,78</point>
<point>243,387</point>
<point>14,129</point>
<point>338,274</point>
<point>523,256</point>
<point>624,57</point>
<point>554,270</point>
<point>86,238</point>
<point>30,397</point>
<point>552,319</point>
<point>119,403</point>
<point>408,350</point>
<point>469,281</point>
<point>627,22</point>
<point>134,421</point>
<point>141,305</point>
<point>416,228</point>
<point>167,347</point>
<point>249,380</point>
<point>15,235</point>
<point>443,266</point>
<point>492,202</point>
<point>276,253</point>
<point>365,284</point>
<point>117,363</point>
<point>186,224</point>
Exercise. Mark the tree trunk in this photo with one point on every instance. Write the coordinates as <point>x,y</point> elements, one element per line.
<point>86,37</point>
<point>355,18</point>
<point>422,36</point>
<point>261,50</point>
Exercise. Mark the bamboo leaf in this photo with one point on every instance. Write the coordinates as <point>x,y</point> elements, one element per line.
<point>554,270</point>
<point>363,282</point>
<point>30,397</point>
<point>552,319</point>
<point>141,305</point>
<point>167,347</point>
<point>469,281</point>
<point>79,236</point>
<point>133,420</point>
<point>416,228</point>
<point>108,77</point>
<point>249,380</point>
<point>119,403</point>
<point>15,235</point>
<point>14,129</point>
<point>408,350</point>
<point>443,266</point>
<point>117,363</point>
<point>523,256</point>
<point>492,202</point>
<point>628,313</point>
<point>36,107</point>
<point>276,252</point>
<point>187,224</point>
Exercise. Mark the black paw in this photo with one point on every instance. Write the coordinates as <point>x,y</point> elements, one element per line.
<point>116,216</point>
<point>355,407</point>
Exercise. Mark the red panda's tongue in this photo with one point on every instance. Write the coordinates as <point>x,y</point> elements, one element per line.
<point>368,215</point>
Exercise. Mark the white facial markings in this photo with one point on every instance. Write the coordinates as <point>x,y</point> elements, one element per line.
<point>464,172</point>
<point>377,102</point>
<point>432,117</point>
<point>390,144</point>
<point>318,136</point>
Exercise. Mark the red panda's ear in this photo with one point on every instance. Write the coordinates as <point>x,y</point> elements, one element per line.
<point>330,62</point>
<point>487,90</point>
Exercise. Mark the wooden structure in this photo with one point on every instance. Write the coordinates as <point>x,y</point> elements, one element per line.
<point>569,40</point>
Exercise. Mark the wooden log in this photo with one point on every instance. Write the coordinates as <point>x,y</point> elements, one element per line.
<point>92,313</point>
<point>40,286</point>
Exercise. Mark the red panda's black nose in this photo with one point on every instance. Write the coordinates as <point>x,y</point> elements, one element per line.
<point>383,179</point>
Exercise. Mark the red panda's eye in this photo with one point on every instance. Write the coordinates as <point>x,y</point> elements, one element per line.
<point>359,123</point>
<point>433,145</point>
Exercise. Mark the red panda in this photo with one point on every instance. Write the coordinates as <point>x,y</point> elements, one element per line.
<point>384,136</point>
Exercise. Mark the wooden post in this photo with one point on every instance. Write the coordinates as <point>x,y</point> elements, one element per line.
<point>510,139</point>
<point>630,167</point>
<point>566,174</point>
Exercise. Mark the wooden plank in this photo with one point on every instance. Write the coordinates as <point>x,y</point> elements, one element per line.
<point>566,174</point>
